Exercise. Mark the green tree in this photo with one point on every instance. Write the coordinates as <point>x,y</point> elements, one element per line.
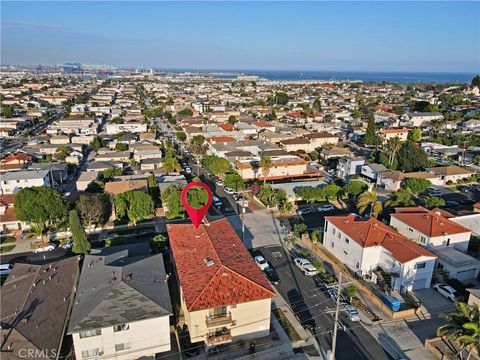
<point>110,173</point>
<point>418,185</point>
<point>393,145</point>
<point>368,199</point>
<point>197,197</point>
<point>354,188</point>
<point>171,199</point>
<point>399,110</point>
<point>371,137</point>
<point>62,152</point>
<point>185,112</point>
<point>265,164</point>
<point>94,209</point>
<point>7,111</point>
<point>135,205</point>
<point>116,120</point>
<point>198,140</point>
<point>411,157</point>
<point>431,202</point>
<point>401,197</point>
<point>314,155</point>
<point>232,119</point>
<point>97,143</point>
<point>415,135</point>
<point>171,164</point>
<point>281,98</point>
<point>299,229</point>
<point>121,147</point>
<point>158,243</point>
<point>476,81</point>
<point>216,165</point>
<point>233,181</point>
<point>317,105</point>
<point>41,206</point>
<point>463,326</point>
<point>351,292</point>
<point>95,187</point>
<point>181,136</point>
<point>80,242</point>
<point>153,188</point>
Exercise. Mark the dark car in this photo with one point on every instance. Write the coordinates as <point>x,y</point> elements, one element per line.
<point>272,275</point>
<point>193,351</point>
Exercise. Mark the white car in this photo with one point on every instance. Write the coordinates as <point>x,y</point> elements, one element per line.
<point>261,262</point>
<point>188,170</point>
<point>5,269</point>
<point>67,245</point>
<point>447,291</point>
<point>48,247</point>
<point>242,202</point>
<point>218,183</point>
<point>229,191</point>
<point>305,265</point>
<point>352,313</point>
<point>325,208</point>
<point>305,211</point>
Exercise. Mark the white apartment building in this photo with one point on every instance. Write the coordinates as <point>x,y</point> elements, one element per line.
<point>13,182</point>
<point>283,167</point>
<point>133,127</point>
<point>367,245</point>
<point>349,166</point>
<point>122,305</point>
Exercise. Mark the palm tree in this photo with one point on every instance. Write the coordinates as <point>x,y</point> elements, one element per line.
<point>393,145</point>
<point>402,197</point>
<point>265,164</point>
<point>463,326</point>
<point>171,164</point>
<point>369,199</point>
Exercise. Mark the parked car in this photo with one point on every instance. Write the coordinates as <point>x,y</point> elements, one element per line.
<point>434,192</point>
<point>447,291</point>
<point>305,211</point>
<point>229,191</point>
<point>261,262</point>
<point>218,183</point>
<point>193,351</point>
<point>352,313</point>
<point>325,208</point>
<point>305,265</point>
<point>188,170</point>
<point>242,202</point>
<point>110,236</point>
<point>216,201</point>
<point>48,247</point>
<point>272,275</point>
<point>5,269</point>
<point>67,245</point>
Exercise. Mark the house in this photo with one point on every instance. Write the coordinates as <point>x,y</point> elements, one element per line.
<point>387,134</point>
<point>58,171</point>
<point>14,162</point>
<point>117,187</point>
<point>447,239</point>
<point>334,152</point>
<point>283,167</point>
<point>150,164</point>
<point>452,173</point>
<point>474,297</point>
<point>372,171</point>
<point>8,219</point>
<point>140,155</point>
<point>122,308</point>
<point>392,180</point>
<point>369,247</point>
<point>13,182</point>
<point>131,126</point>
<point>85,178</point>
<point>348,166</point>
<point>297,144</point>
<point>123,156</point>
<point>320,139</point>
<point>224,296</point>
<point>417,119</point>
<point>35,307</point>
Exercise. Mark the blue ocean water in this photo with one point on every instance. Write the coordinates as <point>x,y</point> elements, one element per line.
<point>365,76</point>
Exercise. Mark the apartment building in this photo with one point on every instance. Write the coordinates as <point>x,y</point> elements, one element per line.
<point>387,134</point>
<point>348,166</point>
<point>122,307</point>
<point>224,296</point>
<point>283,167</point>
<point>369,246</point>
<point>132,126</point>
<point>13,182</point>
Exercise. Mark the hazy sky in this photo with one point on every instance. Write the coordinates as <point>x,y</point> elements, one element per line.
<point>384,36</point>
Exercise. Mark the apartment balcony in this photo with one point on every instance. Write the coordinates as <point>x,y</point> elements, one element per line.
<point>219,337</point>
<point>219,320</point>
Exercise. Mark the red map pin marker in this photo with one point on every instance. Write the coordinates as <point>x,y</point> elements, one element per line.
<point>196,215</point>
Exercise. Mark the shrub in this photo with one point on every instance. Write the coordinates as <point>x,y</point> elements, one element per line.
<point>317,236</point>
<point>7,240</point>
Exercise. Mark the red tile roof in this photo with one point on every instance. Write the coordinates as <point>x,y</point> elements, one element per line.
<point>17,157</point>
<point>227,127</point>
<point>232,278</point>
<point>221,139</point>
<point>429,222</point>
<point>372,232</point>
<point>295,114</point>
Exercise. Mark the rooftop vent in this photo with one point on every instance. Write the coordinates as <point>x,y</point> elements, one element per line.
<point>114,279</point>
<point>209,262</point>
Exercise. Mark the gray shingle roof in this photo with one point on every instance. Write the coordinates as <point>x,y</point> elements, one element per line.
<point>118,285</point>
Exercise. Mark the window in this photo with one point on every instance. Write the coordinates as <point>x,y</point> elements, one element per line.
<point>333,244</point>
<point>90,333</point>
<point>410,229</point>
<point>347,240</point>
<point>448,242</point>
<point>334,231</point>
<point>122,346</point>
<point>357,265</point>
<point>346,253</point>
<point>121,327</point>
<point>92,352</point>
<point>420,265</point>
<point>339,235</point>
<point>423,239</point>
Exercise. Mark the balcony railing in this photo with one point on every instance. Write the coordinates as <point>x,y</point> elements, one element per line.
<point>219,337</point>
<point>219,319</point>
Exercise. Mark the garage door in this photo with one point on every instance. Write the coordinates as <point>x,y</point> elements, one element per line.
<point>466,275</point>
<point>419,284</point>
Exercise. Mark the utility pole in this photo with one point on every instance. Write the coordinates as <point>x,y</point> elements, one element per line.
<point>337,310</point>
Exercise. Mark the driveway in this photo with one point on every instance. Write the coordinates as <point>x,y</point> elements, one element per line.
<point>433,302</point>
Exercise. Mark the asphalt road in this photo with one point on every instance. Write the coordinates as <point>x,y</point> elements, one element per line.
<point>314,307</point>
<point>30,257</point>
